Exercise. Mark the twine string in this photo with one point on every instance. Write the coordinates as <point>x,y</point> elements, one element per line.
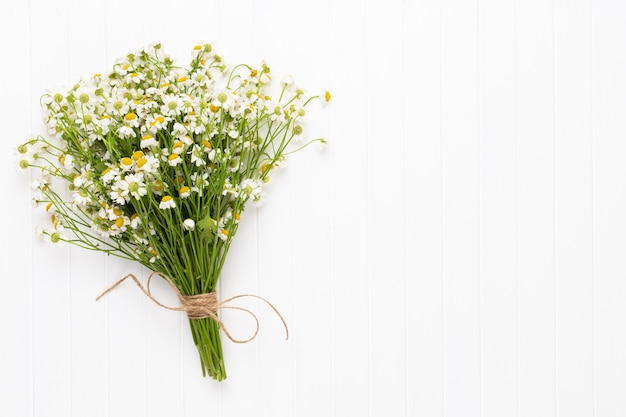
<point>200,306</point>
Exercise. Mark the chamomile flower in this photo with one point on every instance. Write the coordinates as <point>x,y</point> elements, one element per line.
<point>148,141</point>
<point>81,197</point>
<point>172,105</point>
<point>197,155</point>
<point>136,185</point>
<point>167,202</point>
<point>223,233</point>
<point>252,188</point>
<point>184,191</point>
<point>199,182</point>
<point>174,159</point>
<point>126,131</point>
<point>229,189</point>
<point>135,221</point>
<point>109,174</point>
<point>189,224</point>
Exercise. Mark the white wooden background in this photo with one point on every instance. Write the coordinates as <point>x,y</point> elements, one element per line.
<point>459,248</point>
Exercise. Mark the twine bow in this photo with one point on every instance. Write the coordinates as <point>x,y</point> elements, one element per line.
<point>200,306</point>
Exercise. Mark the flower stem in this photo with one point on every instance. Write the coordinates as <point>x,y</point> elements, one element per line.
<point>206,336</point>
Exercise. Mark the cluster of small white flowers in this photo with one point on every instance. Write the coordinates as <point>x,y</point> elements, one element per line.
<point>151,137</point>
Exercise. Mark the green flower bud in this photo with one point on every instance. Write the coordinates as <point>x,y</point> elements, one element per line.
<point>55,237</point>
<point>24,164</point>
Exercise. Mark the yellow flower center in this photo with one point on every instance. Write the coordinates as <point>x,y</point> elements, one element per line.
<point>137,155</point>
<point>119,222</point>
<point>166,199</point>
<point>130,116</point>
<point>126,161</point>
<point>184,190</point>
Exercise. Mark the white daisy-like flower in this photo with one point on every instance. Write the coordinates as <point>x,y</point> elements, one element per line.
<point>52,234</point>
<point>167,202</point>
<point>118,106</point>
<point>174,159</point>
<point>119,193</point>
<point>126,164</point>
<point>135,221</point>
<point>156,122</point>
<point>135,77</point>
<point>184,191</point>
<point>131,119</point>
<point>172,105</point>
<point>189,224</point>
<point>103,123</point>
<point>186,140</point>
<point>81,197</point>
<point>120,224</point>
<point>147,164</point>
<point>179,130</point>
<point>252,188</point>
<point>147,141</point>
<point>208,149</point>
<point>223,233</point>
<point>229,189</point>
<point>39,183</point>
<point>199,182</point>
<point>126,132</point>
<point>67,162</point>
<point>197,155</point>
<point>178,147</point>
<point>109,175</point>
<point>136,185</point>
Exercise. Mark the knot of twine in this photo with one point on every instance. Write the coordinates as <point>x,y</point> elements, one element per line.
<point>200,306</point>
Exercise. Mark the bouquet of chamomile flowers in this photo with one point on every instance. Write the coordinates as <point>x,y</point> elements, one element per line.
<point>155,163</point>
